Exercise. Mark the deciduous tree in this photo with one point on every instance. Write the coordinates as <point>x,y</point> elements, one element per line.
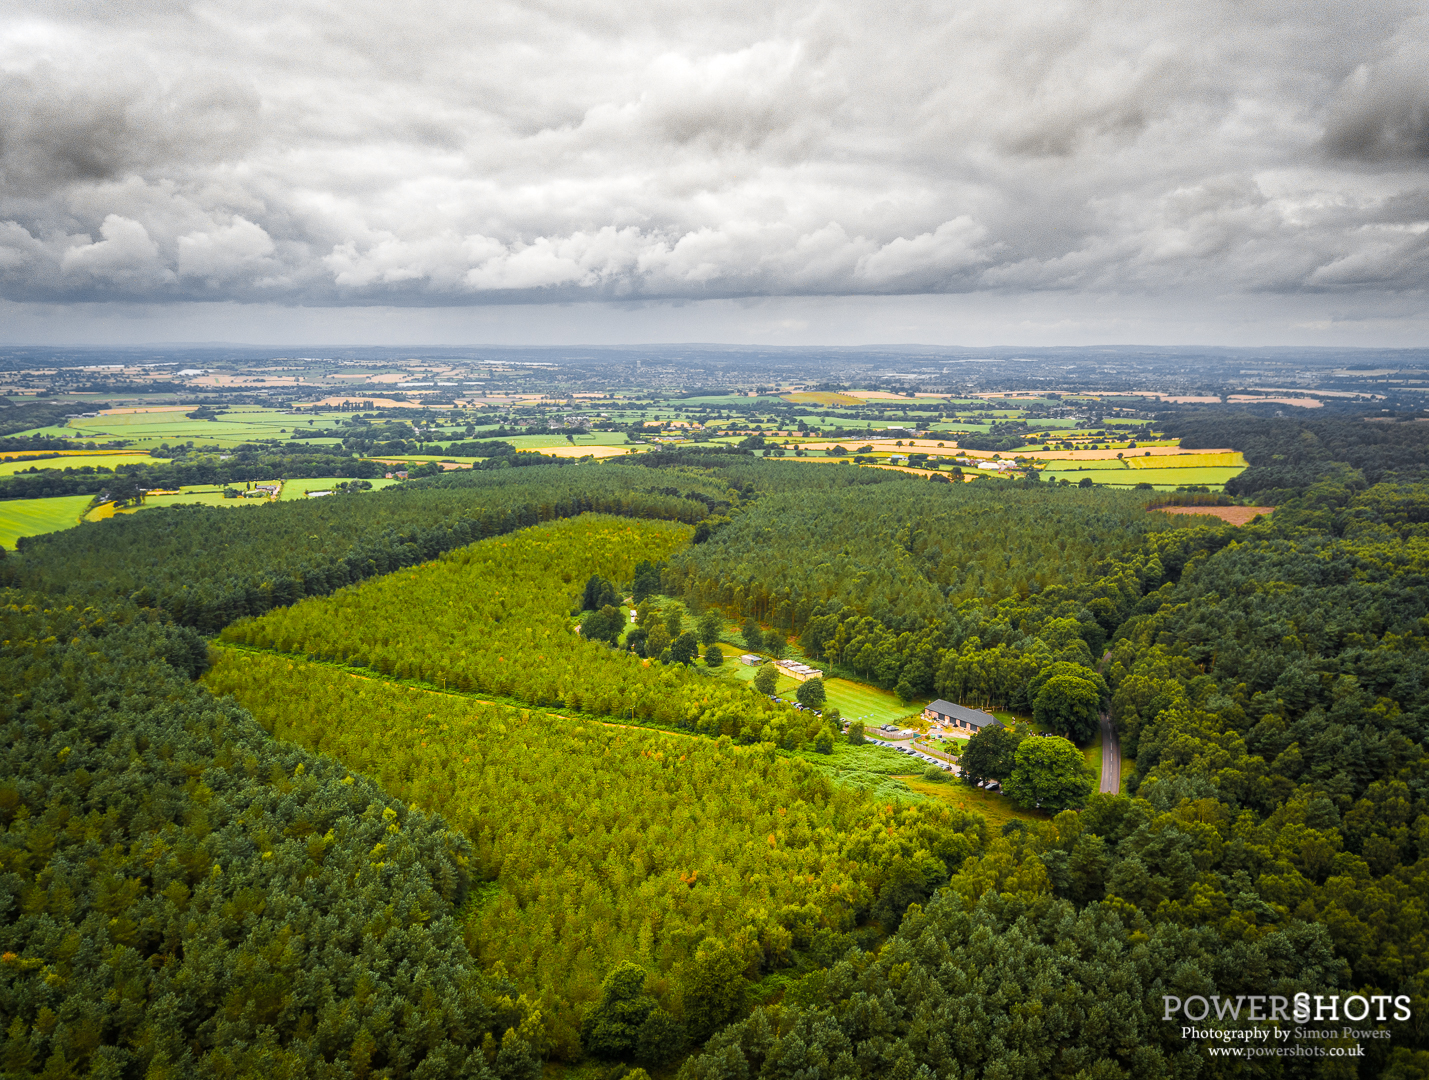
<point>1051,773</point>
<point>766,679</point>
<point>989,755</point>
<point>684,648</point>
<point>811,693</point>
<point>1069,706</point>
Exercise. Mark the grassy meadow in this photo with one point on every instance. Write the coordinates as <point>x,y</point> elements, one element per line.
<point>75,461</point>
<point>150,426</point>
<point>854,700</point>
<point>997,808</point>
<point>32,517</point>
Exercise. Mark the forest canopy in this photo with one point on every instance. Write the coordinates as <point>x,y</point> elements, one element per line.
<point>412,823</point>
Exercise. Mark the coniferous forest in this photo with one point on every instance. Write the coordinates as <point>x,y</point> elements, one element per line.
<point>391,786</point>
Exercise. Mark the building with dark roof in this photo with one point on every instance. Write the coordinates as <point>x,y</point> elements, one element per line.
<point>959,716</point>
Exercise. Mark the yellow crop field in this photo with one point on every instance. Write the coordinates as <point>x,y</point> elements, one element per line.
<point>821,397</point>
<point>1229,460</point>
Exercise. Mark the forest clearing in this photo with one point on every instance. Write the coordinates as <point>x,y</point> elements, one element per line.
<point>1234,515</point>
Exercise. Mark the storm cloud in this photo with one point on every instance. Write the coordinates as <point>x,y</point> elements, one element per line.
<point>430,154</point>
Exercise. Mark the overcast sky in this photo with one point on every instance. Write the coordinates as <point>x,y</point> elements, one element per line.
<point>563,170</point>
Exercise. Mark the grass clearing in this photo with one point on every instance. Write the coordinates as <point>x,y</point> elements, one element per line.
<point>853,700</point>
<point>34,517</point>
<point>875,769</point>
<point>998,809</point>
<point>859,701</point>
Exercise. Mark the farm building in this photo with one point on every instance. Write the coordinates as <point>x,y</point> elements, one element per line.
<point>796,670</point>
<point>959,716</point>
<point>751,660</point>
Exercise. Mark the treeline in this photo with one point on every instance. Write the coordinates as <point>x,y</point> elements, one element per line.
<point>907,553</point>
<point>45,442</point>
<point>184,895</point>
<point>492,618</point>
<point>1287,674</point>
<point>17,418</point>
<point>1271,684</point>
<point>705,864</point>
<point>1287,455</point>
<point>753,476</point>
<point>924,590</point>
<point>207,566</point>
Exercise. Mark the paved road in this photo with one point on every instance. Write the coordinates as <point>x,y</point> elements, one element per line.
<point>1111,757</point>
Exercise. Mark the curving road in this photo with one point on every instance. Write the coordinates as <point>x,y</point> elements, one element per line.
<point>1111,757</point>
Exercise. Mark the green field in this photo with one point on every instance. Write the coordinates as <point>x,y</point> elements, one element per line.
<point>32,517</point>
<point>542,442</point>
<point>854,700</point>
<point>76,461</point>
<point>1167,478</point>
<point>1067,466</point>
<point>209,495</point>
<point>293,489</point>
<point>149,429</point>
<point>197,495</point>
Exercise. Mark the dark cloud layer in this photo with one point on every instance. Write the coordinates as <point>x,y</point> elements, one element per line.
<point>452,153</point>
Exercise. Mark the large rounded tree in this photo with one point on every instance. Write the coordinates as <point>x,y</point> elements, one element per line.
<point>811,693</point>
<point>1069,706</point>
<point>989,755</point>
<point>1051,773</point>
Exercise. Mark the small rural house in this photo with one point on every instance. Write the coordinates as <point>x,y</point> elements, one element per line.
<point>751,659</point>
<point>959,717</point>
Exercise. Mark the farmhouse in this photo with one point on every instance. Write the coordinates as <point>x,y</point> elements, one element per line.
<point>959,716</point>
